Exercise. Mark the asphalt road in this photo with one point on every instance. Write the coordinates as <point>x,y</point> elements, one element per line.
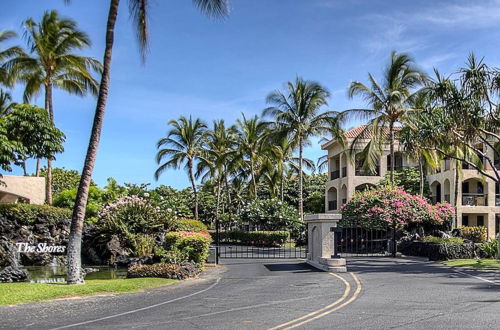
<point>281,294</point>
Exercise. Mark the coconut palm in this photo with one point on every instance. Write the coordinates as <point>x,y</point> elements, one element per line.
<point>390,103</point>
<point>251,134</point>
<point>6,103</point>
<point>182,147</point>
<point>52,63</point>
<point>218,152</point>
<point>298,117</point>
<point>5,55</point>
<point>139,11</point>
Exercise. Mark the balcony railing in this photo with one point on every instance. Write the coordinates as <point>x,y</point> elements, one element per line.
<point>474,199</point>
<point>497,200</point>
<point>332,205</point>
<point>399,167</point>
<point>344,171</point>
<point>363,172</point>
<point>334,175</point>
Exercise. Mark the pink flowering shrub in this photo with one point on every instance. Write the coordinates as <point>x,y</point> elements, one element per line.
<point>387,205</point>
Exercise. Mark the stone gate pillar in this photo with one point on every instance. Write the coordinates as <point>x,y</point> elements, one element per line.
<point>320,233</point>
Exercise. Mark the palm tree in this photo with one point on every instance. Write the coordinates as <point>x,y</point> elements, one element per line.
<point>390,104</point>
<point>182,145</point>
<point>297,115</point>
<point>5,55</point>
<point>6,103</point>
<point>139,10</point>
<point>217,154</point>
<point>251,135</point>
<point>52,64</point>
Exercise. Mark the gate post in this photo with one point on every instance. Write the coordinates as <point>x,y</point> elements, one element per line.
<point>321,242</point>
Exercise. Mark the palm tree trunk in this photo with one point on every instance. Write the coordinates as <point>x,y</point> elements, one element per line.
<point>50,110</point>
<point>74,271</point>
<point>421,174</point>
<point>193,185</point>
<point>37,171</point>
<point>391,141</point>
<point>219,186</point>
<point>254,182</point>
<point>24,167</point>
<point>455,198</point>
<point>283,185</point>
<point>301,197</point>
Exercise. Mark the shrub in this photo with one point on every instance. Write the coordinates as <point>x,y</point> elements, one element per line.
<point>265,238</point>
<point>190,226</point>
<point>490,249</point>
<point>271,214</point>
<point>440,240</point>
<point>474,234</point>
<point>379,208</point>
<point>195,245</point>
<point>66,199</point>
<point>172,256</point>
<point>28,214</point>
<point>172,271</point>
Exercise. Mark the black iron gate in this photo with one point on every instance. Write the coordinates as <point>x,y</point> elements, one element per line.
<point>280,243</point>
<point>359,241</point>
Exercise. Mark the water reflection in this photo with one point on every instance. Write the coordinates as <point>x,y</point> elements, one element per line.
<point>57,274</point>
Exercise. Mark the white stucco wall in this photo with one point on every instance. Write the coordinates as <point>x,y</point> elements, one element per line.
<point>30,188</point>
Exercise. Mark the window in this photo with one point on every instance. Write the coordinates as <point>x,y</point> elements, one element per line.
<point>465,188</point>
<point>480,220</point>
<point>465,220</point>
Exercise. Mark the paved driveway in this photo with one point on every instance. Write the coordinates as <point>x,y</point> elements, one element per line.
<point>264,294</point>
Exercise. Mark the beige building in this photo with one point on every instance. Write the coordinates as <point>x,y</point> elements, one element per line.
<point>478,196</point>
<point>26,189</point>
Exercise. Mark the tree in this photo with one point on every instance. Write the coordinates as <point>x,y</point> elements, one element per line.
<point>31,126</point>
<point>51,63</point>
<point>390,104</point>
<point>6,103</point>
<point>251,149</point>
<point>182,146</point>
<point>8,149</point>
<point>298,118</point>
<point>139,11</point>
<point>63,179</point>
<point>5,55</point>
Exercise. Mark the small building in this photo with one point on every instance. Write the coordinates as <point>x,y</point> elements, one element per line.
<point>478,202</point>
<point>25,189</point>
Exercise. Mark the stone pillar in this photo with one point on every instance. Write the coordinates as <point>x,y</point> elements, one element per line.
<point>491,217</point>
<point>320,230</point>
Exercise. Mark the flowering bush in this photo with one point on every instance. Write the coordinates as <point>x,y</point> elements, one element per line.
<point>388,205</point>
<point>190,225</point>
<point>195,244</point>
<point>270,214</point>
<point>474,234</point>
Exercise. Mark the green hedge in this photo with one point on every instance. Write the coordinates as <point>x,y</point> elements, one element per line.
<point>267,238</point>
<point>27,214</point>
<point>190,225</point>
<point>195,245</point>
<point>163,270</point>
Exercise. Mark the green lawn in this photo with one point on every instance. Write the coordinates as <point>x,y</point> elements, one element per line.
<point>20,293</point>
<point>473,263</point>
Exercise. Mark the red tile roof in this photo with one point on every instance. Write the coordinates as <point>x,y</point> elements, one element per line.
<point>366,133</point>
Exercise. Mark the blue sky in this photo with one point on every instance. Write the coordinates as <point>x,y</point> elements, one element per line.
<point>219,69</point>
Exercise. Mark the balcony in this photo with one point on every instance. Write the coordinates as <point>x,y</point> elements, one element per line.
<point>344,171</point>
<point>332,205</point>
<point>474,199</point>
<point>334,175</point>
<point>447,165</point>
<point>497,200</point>
<point>447,198</point>
<point>363,172</point>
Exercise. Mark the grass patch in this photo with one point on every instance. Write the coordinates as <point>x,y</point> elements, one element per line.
<point>21,293</point>
<point>474,263</point>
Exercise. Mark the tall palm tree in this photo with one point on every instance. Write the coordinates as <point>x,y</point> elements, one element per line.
<point>5,55</point>
<point>182,146</point>
<point>139,10</point>
<point>297,117</point>
<point>390,103</point>
<point>251,135</point>
<point>218,152</point>
<point>52,63</point>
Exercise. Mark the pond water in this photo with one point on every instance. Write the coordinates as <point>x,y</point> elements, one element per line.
<point>57,274</point>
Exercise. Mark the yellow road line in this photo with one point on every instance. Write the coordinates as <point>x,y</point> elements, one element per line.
<point>336,302</point>
<point>354,296</point>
